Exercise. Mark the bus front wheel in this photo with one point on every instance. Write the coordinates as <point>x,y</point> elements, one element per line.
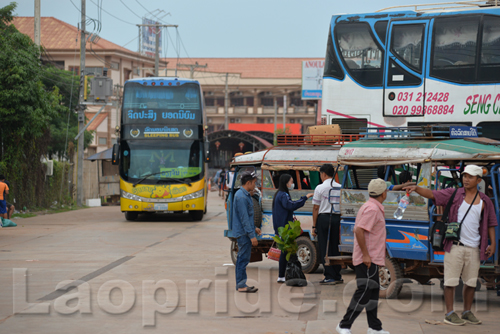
<point>131,215</point>
<point>196,215</point>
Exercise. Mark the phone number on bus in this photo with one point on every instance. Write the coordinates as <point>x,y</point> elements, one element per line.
<point>419,110</point>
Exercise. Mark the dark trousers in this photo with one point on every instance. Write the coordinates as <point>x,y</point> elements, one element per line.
<point>282,264</point>
<point>322,224</point>
<point>366,296</point>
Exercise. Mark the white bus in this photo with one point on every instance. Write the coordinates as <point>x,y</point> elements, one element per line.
<point>426,64</point>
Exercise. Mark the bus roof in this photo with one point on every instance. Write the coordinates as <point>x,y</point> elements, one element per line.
<point>300,158</point>
<point>377,152</point>
<point>404,13</point>
<point>165,80</point>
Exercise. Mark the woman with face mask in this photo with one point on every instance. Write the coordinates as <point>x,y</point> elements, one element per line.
<point>283,208</point>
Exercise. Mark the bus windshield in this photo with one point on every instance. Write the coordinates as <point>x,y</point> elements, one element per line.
<point>179,159</point>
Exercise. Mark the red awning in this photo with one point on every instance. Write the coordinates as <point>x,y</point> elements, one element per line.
<point>266,127</point>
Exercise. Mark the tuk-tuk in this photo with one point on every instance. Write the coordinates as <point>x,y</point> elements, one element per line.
<point>436,162</point>
<point>301,156</point>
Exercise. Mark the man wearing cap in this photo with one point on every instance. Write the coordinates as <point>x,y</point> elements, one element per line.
<point>244,229</point>
<point>476,215</point>
<point>368,255</point>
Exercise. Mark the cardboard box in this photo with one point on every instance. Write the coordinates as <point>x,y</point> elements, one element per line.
<point>332,129</point>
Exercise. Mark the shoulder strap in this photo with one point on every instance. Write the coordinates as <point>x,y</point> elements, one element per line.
<point>470,206</point>
<point>448,207</point>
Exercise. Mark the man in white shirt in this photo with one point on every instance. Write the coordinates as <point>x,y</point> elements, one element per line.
<point>229,178</point>
<point>325,221</point>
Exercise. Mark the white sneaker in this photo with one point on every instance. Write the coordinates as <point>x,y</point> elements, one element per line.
<point>281,280</point>
<point>372,331</point>
<point>343,330</point>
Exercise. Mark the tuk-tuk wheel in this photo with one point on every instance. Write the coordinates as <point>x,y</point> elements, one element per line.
<point>391,279</point>
<point>307,254</point>
<point>234,251</point>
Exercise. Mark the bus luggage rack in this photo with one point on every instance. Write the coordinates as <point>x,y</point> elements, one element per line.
<point>409,132</point>
<point>300,140</point>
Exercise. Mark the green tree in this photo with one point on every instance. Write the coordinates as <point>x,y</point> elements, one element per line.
<point>64,125</point>
<point>28,111</point>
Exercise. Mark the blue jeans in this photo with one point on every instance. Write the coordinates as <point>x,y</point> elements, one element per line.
<point>244,250</point>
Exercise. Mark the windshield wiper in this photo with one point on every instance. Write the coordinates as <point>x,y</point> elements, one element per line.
<point>145,177</point>
<point>186,181</point>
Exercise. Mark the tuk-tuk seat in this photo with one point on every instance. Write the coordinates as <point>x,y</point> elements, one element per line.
<point>342,260</point>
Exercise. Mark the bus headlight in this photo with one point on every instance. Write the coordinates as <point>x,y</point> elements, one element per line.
<point>194,195</point>
<point>131,196</point>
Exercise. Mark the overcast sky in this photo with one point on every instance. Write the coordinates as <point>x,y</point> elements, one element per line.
<point>218,28</point>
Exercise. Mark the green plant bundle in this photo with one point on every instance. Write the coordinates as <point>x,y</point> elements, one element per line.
<point>286,239</point>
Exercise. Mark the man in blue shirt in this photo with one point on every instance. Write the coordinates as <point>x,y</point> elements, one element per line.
<point>244,229</point>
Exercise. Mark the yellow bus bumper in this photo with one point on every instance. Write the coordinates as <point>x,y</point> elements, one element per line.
<point>189,205</point>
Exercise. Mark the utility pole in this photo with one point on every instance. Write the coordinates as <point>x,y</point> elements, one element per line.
<point>275,141</point>
<point>157,51</point>
<point>284,113</point>
<point>157,41</point>
<point>37,22</point>
<point>226,102</point>
<point>140,42</point>
<point>81,114</point>
<point>192,67</point>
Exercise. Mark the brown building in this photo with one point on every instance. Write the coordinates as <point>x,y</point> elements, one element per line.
<point>254,84</point>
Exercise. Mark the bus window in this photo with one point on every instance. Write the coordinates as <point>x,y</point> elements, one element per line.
<point>454,48</point>
<point>489,67</point>
<point>350,126</point>
<point>360,53</point>
<point>490,129</point>
<point>381,30</point>
<point>332,66</point>
<point>406,44</point>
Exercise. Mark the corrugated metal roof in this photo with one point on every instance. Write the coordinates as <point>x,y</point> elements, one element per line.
<point>376,152</point>
<point>291,156</point>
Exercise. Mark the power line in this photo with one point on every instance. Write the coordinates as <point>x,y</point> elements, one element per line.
<point>179,35</point>
<point>130,9</point>
<point>133,24</point>
<point>140,4</point>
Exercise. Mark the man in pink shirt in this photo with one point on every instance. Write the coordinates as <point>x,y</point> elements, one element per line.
<point>368,255</point>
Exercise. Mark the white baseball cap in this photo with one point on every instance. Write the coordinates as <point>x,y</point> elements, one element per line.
<point>473,170</point>
<point>376,187</point>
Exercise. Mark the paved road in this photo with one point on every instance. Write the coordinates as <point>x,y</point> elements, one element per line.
<point>173,275</point>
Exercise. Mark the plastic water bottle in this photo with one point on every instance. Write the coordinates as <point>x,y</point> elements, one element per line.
<point>437,240</point>
<point>403,204</point>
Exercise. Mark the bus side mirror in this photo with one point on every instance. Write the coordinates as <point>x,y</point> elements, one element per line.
<point>115,157</point>
<point>207,152</point>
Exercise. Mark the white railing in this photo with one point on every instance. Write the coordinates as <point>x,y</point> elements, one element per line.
<point>430,7</point>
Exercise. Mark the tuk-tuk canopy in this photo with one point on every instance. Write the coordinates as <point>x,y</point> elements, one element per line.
<point>394,152</point>
<point>286,158</point>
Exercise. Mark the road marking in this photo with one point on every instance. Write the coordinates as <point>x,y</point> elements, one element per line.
<point>58,293</point>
